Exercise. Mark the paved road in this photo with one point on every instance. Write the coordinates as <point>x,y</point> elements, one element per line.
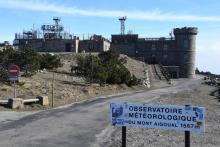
<point>78,125</point>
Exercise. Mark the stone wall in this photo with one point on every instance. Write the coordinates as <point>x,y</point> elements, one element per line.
<point>178,51</point>
<point>50,45</point>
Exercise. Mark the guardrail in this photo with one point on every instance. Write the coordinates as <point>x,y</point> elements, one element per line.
<point>3,101</point>
<point>156,72</point>
<point>30,100</point>
<point>15,103</point>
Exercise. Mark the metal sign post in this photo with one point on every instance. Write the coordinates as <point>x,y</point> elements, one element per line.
<point>123,136</point>
<point>187,135</point>
<point>53,91</point>
<point>187,138</point>
<point>14,90</point>
<point>13,72</point>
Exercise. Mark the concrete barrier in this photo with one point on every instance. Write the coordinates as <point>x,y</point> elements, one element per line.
<point>16,103</point>
<point>43,100</point>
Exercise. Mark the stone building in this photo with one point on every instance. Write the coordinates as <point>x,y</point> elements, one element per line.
<point>48,45</point>
<point>53,38</point>
<point>96,43</point>
<point>176,54</point>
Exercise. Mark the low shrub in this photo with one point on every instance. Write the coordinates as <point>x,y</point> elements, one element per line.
<point>108,67</point>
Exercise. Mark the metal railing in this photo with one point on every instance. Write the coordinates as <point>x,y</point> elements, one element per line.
<point>165,72</point>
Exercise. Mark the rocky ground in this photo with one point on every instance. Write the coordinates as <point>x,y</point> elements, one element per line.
<point>67,88</point>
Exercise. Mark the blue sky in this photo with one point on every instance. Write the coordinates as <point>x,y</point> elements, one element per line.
<point>148,18</point>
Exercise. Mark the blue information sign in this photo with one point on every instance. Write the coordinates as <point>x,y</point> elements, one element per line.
<point>185,118</point>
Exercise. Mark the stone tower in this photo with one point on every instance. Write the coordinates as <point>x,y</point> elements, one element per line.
<point>186,48</point>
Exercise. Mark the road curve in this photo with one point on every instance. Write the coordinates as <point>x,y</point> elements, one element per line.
<point>78,125</point>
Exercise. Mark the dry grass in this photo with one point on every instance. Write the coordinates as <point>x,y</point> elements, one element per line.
<point>67,88</point>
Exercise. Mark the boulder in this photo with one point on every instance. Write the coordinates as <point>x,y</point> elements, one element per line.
<point>27,85</point>
<point>4,88</point>
<point>44,91</point>
<point>88,90</point>
<point>37,84</point>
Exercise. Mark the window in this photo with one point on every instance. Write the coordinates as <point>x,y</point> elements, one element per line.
<point>165,47</point>
<point>186,43</point>
<point>165,56</point>
<point>90,46</point>
<point>153,47</point>
<point>185,56</point>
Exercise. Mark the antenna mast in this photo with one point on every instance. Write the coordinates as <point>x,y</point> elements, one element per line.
<point>122,20</point>
<point>57,26</point>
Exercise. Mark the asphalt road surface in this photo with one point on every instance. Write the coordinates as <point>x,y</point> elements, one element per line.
<point>77,125</point>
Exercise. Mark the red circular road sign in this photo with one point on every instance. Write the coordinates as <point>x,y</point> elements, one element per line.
<point>13,70</point>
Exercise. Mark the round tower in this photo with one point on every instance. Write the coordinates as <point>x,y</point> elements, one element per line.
<point>186,48</point>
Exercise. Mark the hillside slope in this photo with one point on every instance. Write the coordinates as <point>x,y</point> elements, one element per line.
<point>67,88</point>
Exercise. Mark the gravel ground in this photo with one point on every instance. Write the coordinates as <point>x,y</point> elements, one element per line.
<point>197,96</point>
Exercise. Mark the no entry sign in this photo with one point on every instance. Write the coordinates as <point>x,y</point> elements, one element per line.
<point>13,72</point>
<point>185,118</point>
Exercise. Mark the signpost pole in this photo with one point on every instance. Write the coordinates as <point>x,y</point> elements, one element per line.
<point>53,90</point>
<point>187,138</point>
<point>123,136</point>
<point>187,135</point>
<point>13,72</point>
<point>14,90</point>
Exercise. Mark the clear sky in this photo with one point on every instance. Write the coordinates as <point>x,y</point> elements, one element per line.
<point>148,18</point>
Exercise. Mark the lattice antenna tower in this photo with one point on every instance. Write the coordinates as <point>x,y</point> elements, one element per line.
<point>58,27</point>
<point>122,20</point>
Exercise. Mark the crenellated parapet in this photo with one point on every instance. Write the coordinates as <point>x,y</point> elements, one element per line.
<point>186,30</point>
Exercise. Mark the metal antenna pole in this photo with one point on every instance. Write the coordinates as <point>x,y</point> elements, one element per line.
<point>122,20</point>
